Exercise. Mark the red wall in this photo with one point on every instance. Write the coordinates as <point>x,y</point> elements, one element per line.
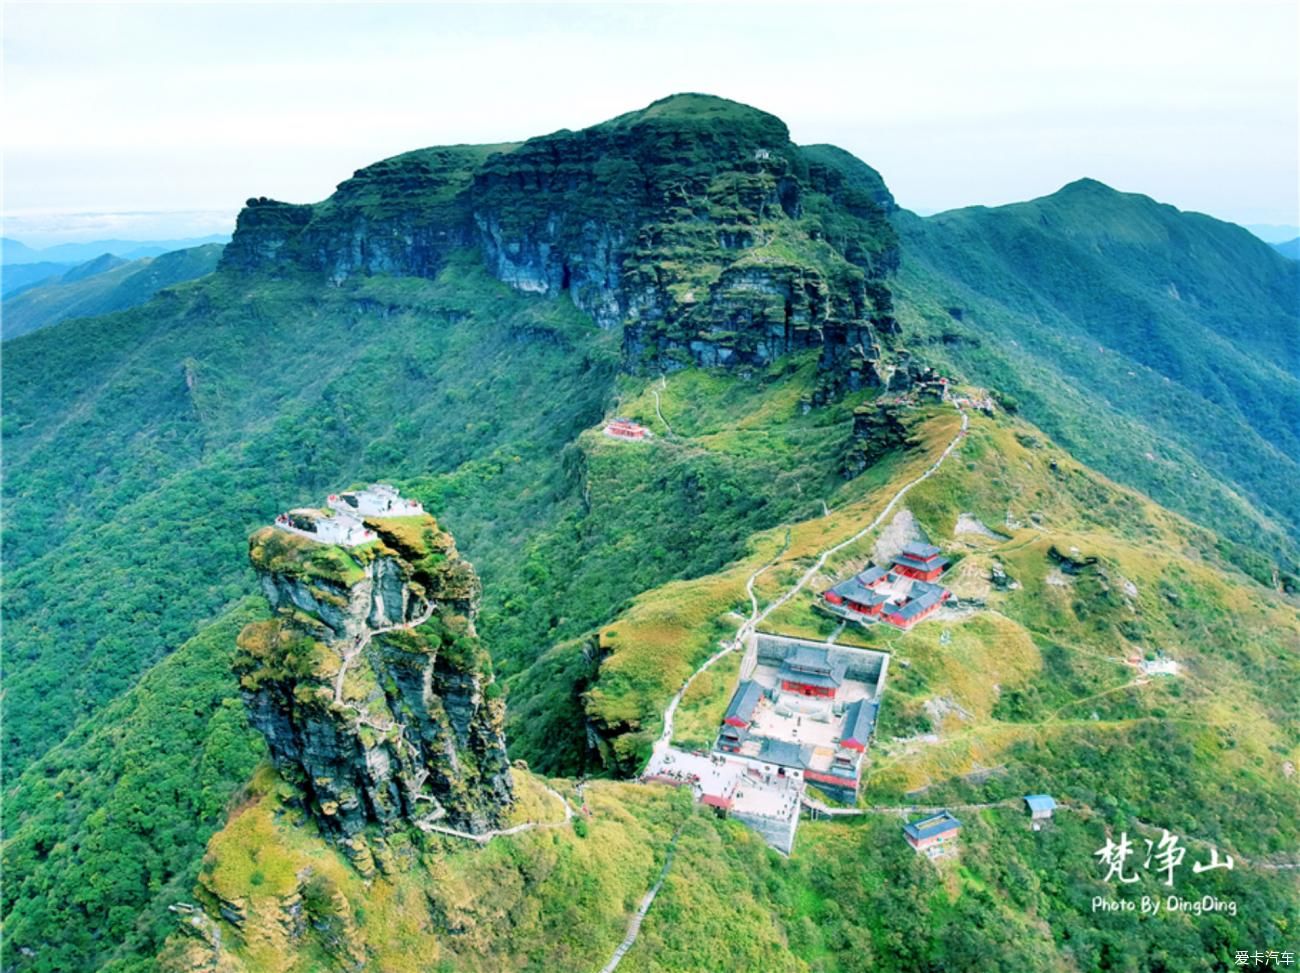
<point>798,687</point>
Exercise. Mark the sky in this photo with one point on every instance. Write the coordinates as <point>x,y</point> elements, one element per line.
<point>154,120</point>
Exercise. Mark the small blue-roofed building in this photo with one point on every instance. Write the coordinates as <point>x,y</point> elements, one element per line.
<point>1040,806</point>
<point>934,836</point>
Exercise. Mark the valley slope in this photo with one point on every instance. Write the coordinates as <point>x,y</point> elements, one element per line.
<point>1162,347</point>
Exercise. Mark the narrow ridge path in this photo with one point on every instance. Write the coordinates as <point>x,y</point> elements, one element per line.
<point>487,836</point>
<point>813,804</point>
<point>658,411</point>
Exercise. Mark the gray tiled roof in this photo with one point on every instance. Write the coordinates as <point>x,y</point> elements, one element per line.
<point>783,752</point>
<point>852,589</point>
<point>733,734</point>
<point>828,680</point>
<point>744,701</point>
<point>859,721</point>
<point>930,595</point>
<point>922,551</point>
<point>810,658</point>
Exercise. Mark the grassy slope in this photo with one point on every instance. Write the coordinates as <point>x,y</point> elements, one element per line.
<point>371,380</point>
<point>735,458</point>
<point>1161,347</point>
<point>1201,755</point>
<point>126,285</point>
<point>547,899</point>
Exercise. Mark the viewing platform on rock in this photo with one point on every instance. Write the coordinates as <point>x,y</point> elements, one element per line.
<point>376,500</point>
<point>325,526</point>
<point>341,521</point>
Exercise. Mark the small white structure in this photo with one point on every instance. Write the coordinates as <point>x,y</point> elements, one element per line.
<point>327,528</point>
<point>376,500</point>
<point>1160,666</point>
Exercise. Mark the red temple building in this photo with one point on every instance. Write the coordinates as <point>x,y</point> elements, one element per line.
<point>906,614</point>
<point>810,673</point>
<point>920,561</point>
<point>901,596</point>
<point>626,429</point>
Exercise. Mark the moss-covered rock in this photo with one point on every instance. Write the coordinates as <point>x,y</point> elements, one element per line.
<point>694,224</point>
<point>369,682</point>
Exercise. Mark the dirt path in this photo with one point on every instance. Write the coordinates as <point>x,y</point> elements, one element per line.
<point>813,804</point>
<point>658,411</point>
<point>757,615</point>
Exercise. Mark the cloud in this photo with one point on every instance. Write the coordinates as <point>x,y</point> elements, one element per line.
<point>196,107</point>
<point>43,228</point>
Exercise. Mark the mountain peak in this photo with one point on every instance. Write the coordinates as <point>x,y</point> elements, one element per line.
<point>696,108</point>
<point>695,222</point>
<point>104,262</point>
<point>1086,185</point>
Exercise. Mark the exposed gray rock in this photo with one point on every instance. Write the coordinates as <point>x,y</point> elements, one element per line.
<point>373,692</point>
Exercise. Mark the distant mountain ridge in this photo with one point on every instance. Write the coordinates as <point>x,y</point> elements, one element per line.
<point>13,252</point>
<point>1291,248</point>
<point>1175,333</point>
<point>1274,232</point>
<point>100,286</point>
<point>16,277</point>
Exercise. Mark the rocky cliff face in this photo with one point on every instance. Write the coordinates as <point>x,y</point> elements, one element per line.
<point>369,683</point>
<point>402,216</point>
<point>695,225</point>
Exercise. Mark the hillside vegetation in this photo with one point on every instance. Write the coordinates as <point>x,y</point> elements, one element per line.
<point>1161,347</point>
<point>1036,696</point>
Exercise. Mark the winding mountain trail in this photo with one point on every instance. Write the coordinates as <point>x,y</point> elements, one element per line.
<point>817,565</point>
<point>634,925</point>
<point>756,617</point>
<point>363,640</point>
<point>487,836</point>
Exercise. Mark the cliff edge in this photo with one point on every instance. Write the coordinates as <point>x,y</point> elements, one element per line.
<point>369,683</point>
